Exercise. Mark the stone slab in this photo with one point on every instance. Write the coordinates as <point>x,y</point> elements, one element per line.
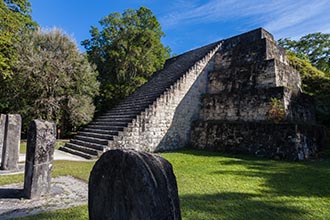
<point>126,184</point>
<point>39,158</point>
<point>12,140</point>
<point>2,133</point>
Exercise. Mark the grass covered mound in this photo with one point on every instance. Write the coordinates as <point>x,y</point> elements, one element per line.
<point>217,186</point>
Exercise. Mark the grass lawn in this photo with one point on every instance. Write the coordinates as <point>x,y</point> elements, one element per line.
<point>219,186</point>
<point>57,145</point>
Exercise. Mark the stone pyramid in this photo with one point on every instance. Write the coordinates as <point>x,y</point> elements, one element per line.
<point>236,95</point>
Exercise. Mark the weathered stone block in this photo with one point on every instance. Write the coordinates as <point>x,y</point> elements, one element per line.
<point>12,140</point>
<point>39,158</point>
<point>125,184</point>
<point>287,141</point>
<point>2,133</point>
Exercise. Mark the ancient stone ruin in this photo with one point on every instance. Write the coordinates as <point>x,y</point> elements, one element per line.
<point>126,184</point>
<point>10,139</point>
<point>39,158</point>
<point>237,95</point>
<point>254,103</point>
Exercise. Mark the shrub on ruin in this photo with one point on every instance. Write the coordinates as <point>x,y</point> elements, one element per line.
<point>277,112</point>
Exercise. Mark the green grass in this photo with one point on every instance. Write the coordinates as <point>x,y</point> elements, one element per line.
<point>58,143</point>
<point>218,186</point>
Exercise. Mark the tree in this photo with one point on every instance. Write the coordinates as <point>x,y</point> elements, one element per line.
<point>15,16</point>
<point>313,49</point>
<point>316,47</point>
<point>51,80</point>
<point>126,52</point>
<point>316,84</point>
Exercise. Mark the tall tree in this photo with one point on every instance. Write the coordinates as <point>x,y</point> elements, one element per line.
<point>126,51</point>
<point>51,80</point>
<point>15,16</point>
<point>316,47</point>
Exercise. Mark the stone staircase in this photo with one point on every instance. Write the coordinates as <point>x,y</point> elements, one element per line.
<point>93,139</point>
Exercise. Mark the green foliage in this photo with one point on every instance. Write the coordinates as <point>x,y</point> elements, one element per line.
<point>126,51</point>
<point>217,186</point>
<point>315,83</point>
<point>315,47</point>
<point>15,16</point>
<point>277,112</point>
<point>51,81</point>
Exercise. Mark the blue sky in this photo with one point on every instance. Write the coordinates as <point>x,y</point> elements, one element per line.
<point>189,24</point>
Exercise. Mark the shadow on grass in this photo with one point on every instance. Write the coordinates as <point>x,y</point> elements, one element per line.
<point>282,178</point>
<point>286,178</point>
<point>236,206</point>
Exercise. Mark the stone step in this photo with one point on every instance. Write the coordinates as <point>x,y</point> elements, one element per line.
<point>117,117</point>
<point>140,102</point>
<point>95,146</point>
<point>125,111</point>
<point>131,108</point>
<point>141,98</point>
<point>78,153</point>
<point>106,127</point>
<point>92,140</point>
<point>109,122</point>
<point>101,131</point>
<point>122,113</point>
<point>96,135</point>
<point>83,149</point>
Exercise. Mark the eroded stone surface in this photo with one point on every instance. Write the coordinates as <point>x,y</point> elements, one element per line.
<point>39,158</point>
<point>12,140</point>
<point>2,133</point>
<point>279,141</point>
<point>254,103</point>
<point>125,184</point>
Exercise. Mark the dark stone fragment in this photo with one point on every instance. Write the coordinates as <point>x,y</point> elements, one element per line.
<point>126,184</point>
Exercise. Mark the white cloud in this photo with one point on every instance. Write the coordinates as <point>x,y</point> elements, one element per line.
<point>293,17</point>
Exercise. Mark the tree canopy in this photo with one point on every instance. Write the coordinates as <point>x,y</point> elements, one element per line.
<point>310,55</point>
<point>15,16</point>
<point>51,80</point>
<point>126,51</point>
<point>315,47</point>
<point>315,83</point>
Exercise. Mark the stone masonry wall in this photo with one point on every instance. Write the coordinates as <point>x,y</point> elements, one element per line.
<point>166,124</point>
<point>255,104</point>
<point>252,63</point>
<point>250,74</point>
<point>278,141</point>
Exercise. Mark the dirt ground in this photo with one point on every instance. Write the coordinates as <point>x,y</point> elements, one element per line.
<point>66,192</point>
